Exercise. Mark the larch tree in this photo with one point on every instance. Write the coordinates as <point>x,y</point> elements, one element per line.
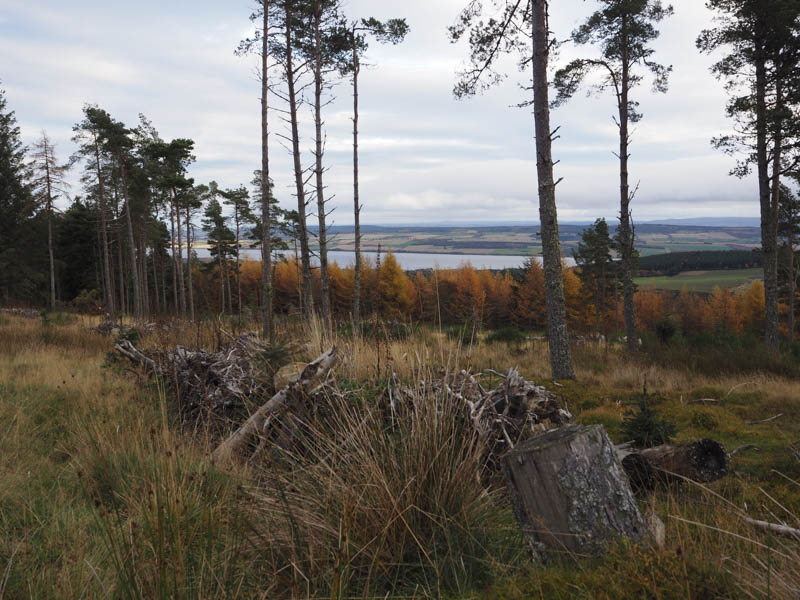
<point>624,30</point>
<point>49,182</point>
<point>391,31</point>
<point>519,26</point>
<point>760,70</point>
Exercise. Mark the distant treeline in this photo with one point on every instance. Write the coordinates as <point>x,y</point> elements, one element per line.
<point>677,262</point>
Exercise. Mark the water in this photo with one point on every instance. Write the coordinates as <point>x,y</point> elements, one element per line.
<point>410,261</point>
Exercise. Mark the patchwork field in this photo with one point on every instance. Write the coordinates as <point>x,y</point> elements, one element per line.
<point>702,281</point>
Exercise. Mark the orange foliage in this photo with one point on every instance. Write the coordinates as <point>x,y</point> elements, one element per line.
<point>649,307</point>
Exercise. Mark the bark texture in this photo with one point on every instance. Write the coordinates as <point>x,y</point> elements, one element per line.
<point>557,334</point>
<point>266,229</point>
<point>569,493</point>
<point>356,201</point>
<point>302,232</point>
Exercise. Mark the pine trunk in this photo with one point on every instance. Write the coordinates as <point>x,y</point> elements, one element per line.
<point>238,267</point>
<point>558,336</point>
<point>322,236</point>
<point>179,260</point>
<point>792,284</point>
<point>50,227</point>
<point>625,232</point>
<point>137,302</point>
<point>266,228</point>
<point>356,204</point>
<point>174,256</point>
<point>305,255</point>
<point>189,262</point>
<point>104,228</point>
<point>769,221</point>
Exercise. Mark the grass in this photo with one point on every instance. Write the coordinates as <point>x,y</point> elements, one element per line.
<point>701,281</point>
<point>101,495</point>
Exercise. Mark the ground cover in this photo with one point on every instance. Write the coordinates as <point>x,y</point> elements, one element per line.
<point>103,494</point>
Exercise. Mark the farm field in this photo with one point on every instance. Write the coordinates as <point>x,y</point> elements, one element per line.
<point>701,281</point>
<point>524,240</point>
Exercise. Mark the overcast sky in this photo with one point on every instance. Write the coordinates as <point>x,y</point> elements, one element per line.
<point>425,157</point>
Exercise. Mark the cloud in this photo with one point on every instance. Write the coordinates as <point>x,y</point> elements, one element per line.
<point>424,156</point>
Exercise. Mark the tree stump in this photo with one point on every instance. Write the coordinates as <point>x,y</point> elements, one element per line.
<point>569,492</point>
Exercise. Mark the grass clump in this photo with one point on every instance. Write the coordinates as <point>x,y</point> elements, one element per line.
<point>381,504</point>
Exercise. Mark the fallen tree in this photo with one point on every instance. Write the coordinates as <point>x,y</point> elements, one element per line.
<point>312,377</point>
<point>703,460</point>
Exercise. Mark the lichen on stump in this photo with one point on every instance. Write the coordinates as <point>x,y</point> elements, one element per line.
<point>569,492</point>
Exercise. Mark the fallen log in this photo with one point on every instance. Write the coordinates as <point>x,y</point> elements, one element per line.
<point>776,528</point>
<point>312,376</point>
<point>703,461</point>
<point>569,493</point>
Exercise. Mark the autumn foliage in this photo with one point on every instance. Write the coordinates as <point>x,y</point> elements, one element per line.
<point>487,299</point>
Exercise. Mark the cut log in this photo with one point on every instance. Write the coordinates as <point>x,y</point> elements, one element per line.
<point>569,493</point>
<point>703,461</point>
<point>313,375</point>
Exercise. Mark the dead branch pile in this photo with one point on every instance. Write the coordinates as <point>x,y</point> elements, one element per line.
<point>110,327</point>
<point>503,416</point>
<point>27,313</point>
<point>220,384</point>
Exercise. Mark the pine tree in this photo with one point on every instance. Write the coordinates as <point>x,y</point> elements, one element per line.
<point>597,267</point>
<point>515,23</point>
<point>623,29</point>
<point>391,31</point>
<point>763,43</point>
<point>16,209</point>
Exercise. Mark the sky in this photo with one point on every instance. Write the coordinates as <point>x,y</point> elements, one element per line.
<point>424,156</point>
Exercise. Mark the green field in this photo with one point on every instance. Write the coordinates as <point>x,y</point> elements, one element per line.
<point>701,281</point>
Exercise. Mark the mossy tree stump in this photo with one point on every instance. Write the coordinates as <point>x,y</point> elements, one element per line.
<point>569,492</point>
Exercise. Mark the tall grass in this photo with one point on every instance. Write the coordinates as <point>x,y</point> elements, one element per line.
<point>384,502</point>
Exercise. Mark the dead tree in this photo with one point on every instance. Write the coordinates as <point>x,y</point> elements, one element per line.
<point>311,377</point>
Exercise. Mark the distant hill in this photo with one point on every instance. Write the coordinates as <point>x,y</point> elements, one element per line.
<point>711,222</point>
